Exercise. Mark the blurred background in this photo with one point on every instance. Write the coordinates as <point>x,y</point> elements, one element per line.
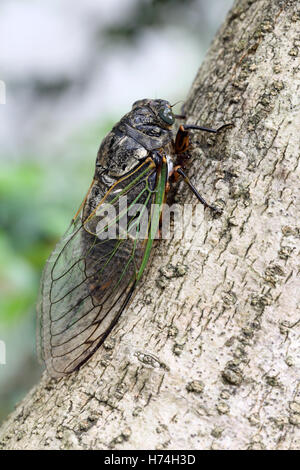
<point>71,70</point>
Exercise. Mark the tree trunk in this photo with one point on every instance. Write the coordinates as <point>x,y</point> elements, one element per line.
<point>207,355</point>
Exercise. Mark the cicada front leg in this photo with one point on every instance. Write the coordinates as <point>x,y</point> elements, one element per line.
<point>206,129</point>
<point>182,145</point>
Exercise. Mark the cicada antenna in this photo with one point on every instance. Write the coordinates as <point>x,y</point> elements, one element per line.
<point>180,101</point>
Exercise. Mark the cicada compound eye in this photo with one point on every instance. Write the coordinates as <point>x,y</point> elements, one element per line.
<point>166,115</point>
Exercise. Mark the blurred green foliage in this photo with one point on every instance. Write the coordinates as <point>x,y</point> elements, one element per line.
<point>23,238</point>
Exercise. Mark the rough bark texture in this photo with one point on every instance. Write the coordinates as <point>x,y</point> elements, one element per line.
<point>207,354</point>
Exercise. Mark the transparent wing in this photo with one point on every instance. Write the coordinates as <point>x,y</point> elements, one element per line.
<point>89,278</point>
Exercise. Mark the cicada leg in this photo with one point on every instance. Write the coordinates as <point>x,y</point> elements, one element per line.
<point>200,198</point>
<point>182,140</point>
<point>206,129</point>
<point>180,116</point>
<point>182,144</point>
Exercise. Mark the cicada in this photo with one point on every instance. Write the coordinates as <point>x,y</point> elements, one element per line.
<point>90,277</point>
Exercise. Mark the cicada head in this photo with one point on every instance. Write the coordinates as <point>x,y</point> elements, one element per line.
<point>156,112</point>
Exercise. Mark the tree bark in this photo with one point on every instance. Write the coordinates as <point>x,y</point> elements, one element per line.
<point>207,355</point>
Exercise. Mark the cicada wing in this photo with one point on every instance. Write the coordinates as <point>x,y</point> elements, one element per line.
<point>78,304</point>
<point>88,280</point>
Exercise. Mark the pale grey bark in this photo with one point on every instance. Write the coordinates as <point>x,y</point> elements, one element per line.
<point>207,355</point>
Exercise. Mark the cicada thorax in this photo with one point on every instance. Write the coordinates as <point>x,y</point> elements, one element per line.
<point>117,155</point>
